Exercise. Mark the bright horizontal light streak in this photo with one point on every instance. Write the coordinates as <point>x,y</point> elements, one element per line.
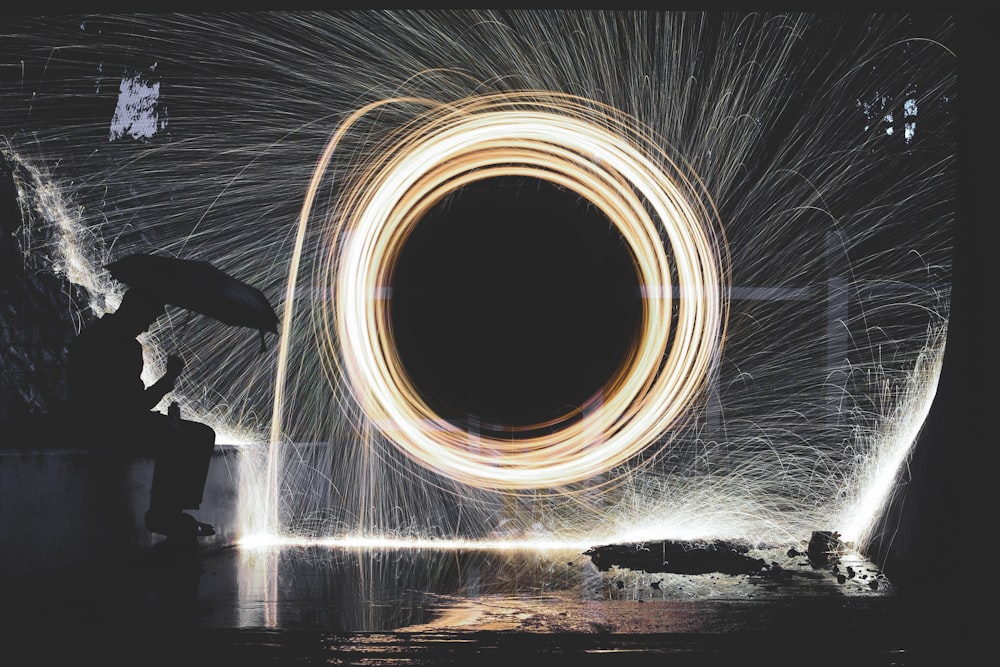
<point>551,137</point>
<point>266,541</point>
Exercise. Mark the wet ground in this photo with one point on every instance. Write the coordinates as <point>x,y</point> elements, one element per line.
<point>323,605</point>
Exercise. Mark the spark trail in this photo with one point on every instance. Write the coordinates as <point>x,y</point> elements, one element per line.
<point>821,148</point>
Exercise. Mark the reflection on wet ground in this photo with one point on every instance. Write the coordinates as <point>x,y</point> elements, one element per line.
<point>322,605</point>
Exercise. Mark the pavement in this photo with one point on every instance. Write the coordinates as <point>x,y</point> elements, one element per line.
<point>180,605</point>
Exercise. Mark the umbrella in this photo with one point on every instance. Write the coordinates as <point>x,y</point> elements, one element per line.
<point>198,286</point>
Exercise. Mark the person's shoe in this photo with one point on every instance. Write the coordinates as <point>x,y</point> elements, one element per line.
<point>177,525</point>
<point>203,529</point>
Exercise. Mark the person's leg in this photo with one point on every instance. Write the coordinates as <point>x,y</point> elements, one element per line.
<point>157,440</point>
<point>196,446</point>
<point>183,454</point>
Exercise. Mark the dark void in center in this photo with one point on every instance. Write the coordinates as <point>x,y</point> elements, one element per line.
<point>513,302</point>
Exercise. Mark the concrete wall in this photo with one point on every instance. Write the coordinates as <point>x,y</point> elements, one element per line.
<point>64,508</point>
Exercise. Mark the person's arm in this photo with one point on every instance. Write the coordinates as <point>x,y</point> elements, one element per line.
<point>155,392</point>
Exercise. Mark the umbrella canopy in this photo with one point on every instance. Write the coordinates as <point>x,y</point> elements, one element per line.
<point>197,286</point>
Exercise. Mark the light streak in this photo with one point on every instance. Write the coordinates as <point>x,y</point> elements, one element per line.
<point>264,542</point>
<point>551,137</point>
<point>838,236</point>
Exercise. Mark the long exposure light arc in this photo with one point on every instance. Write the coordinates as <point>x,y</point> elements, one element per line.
<point>589,149</point>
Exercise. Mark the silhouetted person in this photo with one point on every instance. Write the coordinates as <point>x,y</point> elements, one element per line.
<point>109,400</point>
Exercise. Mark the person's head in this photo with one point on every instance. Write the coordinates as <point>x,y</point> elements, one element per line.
<point>139,309</point>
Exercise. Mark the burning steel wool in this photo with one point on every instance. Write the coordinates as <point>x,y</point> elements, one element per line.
<point>783,185</point>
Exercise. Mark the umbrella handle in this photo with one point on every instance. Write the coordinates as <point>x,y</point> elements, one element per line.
<point>183,328</point>
<point>187,320</point>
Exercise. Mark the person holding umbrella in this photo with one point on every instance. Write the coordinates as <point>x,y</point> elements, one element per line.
<point>107,396</point>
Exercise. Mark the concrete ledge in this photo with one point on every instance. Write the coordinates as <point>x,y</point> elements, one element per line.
<point>65,508</point>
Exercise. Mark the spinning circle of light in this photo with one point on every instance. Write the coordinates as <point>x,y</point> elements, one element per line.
<point>603,156</point>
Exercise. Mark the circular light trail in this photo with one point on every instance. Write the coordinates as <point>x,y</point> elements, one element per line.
<point>597,152</point>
